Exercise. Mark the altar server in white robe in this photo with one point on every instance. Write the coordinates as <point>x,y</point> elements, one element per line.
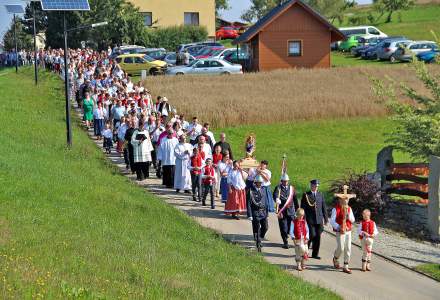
<point>168,158</point>
<point>182,174</point>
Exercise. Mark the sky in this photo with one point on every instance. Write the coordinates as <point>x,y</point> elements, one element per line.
<point>233,14</point>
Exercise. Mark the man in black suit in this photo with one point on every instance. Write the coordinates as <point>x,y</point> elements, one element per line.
<point>313,203</point>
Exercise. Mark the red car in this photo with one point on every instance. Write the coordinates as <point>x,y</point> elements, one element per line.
<point>226,33</point>
<point>209,51</point>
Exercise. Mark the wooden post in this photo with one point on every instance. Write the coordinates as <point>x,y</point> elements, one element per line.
<point>434,198</point>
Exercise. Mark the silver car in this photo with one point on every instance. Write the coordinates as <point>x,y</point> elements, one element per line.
<point>388,49</point>
<point>412,49</point>
<point>206,66</point>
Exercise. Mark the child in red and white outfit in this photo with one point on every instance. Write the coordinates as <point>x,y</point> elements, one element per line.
<point>208,182</point>
<point>367,230</point>
<point>342,212</point>
<point>217,157</point>
<point>299,232</point>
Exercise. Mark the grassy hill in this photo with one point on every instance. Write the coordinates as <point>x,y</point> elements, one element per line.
<point>72,227</point>
<point>415,23</point>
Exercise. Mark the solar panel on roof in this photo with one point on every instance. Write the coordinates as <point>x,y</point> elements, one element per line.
<point>65,5</point>
<point>14,8</point>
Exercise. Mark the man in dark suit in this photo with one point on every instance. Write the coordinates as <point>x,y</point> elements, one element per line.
<point>313,203</point>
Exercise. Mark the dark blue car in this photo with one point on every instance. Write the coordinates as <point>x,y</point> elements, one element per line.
<point>429,56</point>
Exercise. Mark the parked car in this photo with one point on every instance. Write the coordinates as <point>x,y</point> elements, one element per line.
<point>366,31</point>
<point>371,51</point>
<point>209,52</point>
<point>429,56</point>
<point>135,63</point>
<point>183,47</point>
<point>406,54</point>
<point>350,43</point>
<point>127,49</point>
<point>171,57</point>
<point>224,52</point>
<point>226,33</point>
<point>365,44</point>
<point>206,66</point>
<point>156,53</point>
<point>233,58</point>
<point>193,50</point>
<point>387,49</point>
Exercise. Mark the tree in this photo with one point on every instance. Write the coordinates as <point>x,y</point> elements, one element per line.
<point>332,9</point>
<point>125,24</point>
<point>417,130</point>
<point>221,5</point>
<point>391,6</point>
<point>24,40</point>
<point>258,9</point>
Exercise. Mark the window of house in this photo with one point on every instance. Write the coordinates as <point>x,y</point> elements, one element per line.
<point>148,18</point>
<point>294,48</point>
<point>191,18</point>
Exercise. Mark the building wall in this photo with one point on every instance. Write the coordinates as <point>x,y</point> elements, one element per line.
<point>171,12</point>
<point>294,24</point>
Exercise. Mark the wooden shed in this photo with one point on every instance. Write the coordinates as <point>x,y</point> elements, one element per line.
<point>292,35</point>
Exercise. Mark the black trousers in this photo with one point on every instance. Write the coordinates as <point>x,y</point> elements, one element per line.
<point>208,189</point>
<point>142,170</point>
<point>315,231</point>
<point>131,157</point>
<point>168,176</point>
<point>126,160</point>
<point>154,158</point>
<point>285,224</point>
<point>159,169</point>
<point>196,186</point>
<point>259,228</point>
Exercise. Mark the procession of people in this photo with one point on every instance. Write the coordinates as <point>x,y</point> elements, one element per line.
<point>154,138</point>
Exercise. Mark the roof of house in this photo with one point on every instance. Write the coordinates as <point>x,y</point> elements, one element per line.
<point>278,10</point>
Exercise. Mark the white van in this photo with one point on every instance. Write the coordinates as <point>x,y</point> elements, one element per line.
<point>366,31</point>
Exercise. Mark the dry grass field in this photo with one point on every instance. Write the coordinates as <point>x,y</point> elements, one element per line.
<point>280,96</point>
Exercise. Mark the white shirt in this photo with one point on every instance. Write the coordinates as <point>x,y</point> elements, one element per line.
<point>206,149</point>
<point>107,133</point>
<point>197,131</point>
<point>333,219</point>
<point>166,151</point>
<point>224,168</point>
<point>236,180</point>
<point>211,136</point>
<point>121,131</point>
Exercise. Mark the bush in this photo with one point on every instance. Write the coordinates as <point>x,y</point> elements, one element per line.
<point>170,37</point>
<point>368,193</point>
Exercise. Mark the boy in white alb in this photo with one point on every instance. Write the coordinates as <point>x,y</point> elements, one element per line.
<point>367,230</point>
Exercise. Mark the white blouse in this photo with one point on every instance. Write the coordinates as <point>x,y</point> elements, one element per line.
<point>235,179</point>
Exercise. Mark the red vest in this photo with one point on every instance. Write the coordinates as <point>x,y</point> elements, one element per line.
<point>368,227</point>
<point>340,217</point>
<point>299,229</point>
<point>196,161</point>
<point>216,158</point>
<point>208,171</point>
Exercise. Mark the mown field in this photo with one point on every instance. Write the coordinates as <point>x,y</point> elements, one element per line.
<point>72,227</point>
<point>284,96</point>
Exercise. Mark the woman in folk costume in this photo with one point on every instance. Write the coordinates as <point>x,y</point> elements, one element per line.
<point>182,174</point>
<point>299,231</point>
<point>224,167</point>
<point>236,203</point>
<point>142,148</point>
<point>266,175</point>
<point>341,220</point>
<point>367,230</point>
<point>217,157</point>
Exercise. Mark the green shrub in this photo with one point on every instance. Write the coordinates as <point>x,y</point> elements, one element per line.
<point>170,37</point>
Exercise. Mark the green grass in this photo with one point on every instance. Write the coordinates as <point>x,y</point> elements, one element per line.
<point>71,225</point>
<point>415,23</point>
<point>325,150</point>
<point>339,59</point>
<point>430,269</point>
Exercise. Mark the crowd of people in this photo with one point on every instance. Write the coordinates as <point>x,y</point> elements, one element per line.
<point>153,137</point>
<point>9,58</point>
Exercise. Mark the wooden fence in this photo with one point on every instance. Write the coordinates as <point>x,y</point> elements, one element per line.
<point>408,179</point>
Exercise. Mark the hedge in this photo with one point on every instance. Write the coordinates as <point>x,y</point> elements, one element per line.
<point>170,37</point>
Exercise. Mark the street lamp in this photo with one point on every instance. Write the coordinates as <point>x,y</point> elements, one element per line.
<point>15,9</point>
<point>66,78</point>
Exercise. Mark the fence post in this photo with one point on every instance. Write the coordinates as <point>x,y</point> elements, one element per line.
<point>434,197</point>
<point>384,161</point>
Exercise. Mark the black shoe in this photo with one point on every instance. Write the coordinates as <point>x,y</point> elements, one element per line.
<point>194,199</point>
<point>187,192</point>
<point>286,246</point>
<point>316,257</point>
<point>177,191</point>
<point>203,203</point>
<point>259,247</point>
<point>212,207</point>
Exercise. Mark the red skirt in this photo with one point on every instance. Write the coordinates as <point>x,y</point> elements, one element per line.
<point>120,146</point>
<point>236,203</point>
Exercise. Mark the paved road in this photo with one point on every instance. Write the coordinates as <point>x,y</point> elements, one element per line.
<point>387,281</point>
